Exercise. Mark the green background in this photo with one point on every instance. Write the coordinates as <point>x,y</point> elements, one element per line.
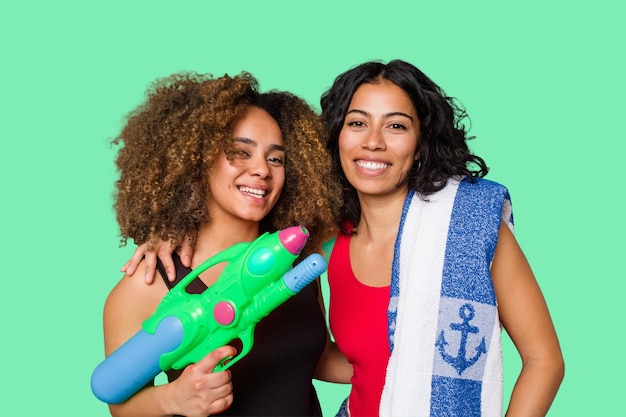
<point>542,82</point>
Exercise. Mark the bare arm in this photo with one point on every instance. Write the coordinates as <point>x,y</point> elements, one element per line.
<point>332,366</point>
<point>525,316</point>
<point>197,392</point>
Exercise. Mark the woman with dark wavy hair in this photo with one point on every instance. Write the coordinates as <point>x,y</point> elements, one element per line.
<point>426,268</point>
<point>442,146</point>
<point>217,161</point>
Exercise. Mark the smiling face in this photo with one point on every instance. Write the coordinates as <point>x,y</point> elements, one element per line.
<point>248,186</point>
<point>378,140</point>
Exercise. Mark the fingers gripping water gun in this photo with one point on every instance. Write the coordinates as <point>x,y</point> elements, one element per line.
<point>186,327</point>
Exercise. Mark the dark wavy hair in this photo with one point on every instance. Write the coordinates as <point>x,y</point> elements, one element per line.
<point>171,142</point>
<point>442,145</point>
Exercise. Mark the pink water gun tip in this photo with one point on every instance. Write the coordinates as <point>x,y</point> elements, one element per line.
<point>294,238</point>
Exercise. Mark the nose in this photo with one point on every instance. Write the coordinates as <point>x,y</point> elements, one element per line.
<point>259,167</point>
<point>374,140</point>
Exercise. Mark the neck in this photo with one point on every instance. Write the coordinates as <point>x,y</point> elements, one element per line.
<point>216,236</point>
<point>380,215</point>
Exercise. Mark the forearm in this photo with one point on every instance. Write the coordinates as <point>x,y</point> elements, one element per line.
<point>148,402</point>
<point>536,388</point>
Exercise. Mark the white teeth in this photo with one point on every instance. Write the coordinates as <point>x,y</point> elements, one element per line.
<point>253,192</point>
<point>372,165</point>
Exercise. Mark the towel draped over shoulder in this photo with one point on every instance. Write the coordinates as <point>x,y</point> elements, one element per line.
<point>444,329</point>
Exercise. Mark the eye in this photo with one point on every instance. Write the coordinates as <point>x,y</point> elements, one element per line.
<point>276,161</point>
<point>355,123</point>
<point>397,126</point>
<point>241,153</point>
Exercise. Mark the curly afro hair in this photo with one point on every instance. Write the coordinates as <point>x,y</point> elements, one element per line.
<point>171,141</point>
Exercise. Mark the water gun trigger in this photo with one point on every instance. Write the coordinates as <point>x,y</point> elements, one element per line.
<point>224,364</point>
<point>247,340</point>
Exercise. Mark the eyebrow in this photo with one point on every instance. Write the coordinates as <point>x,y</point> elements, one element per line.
<point>248,141</point>
<point>394,113</point>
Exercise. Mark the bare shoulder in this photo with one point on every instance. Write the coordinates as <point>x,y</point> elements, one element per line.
<point>133,293</point>
<point>510,270</point>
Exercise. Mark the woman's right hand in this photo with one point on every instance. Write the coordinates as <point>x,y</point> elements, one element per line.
<point>199,391</point>
<point>161,249</point>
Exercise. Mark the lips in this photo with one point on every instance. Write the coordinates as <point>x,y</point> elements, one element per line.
<point>253,192</point>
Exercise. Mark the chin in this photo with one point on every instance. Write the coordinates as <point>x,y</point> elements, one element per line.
<point>253,217</point>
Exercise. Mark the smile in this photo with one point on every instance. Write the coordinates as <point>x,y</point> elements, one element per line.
<point>372,165</point>
<point>253,192</point>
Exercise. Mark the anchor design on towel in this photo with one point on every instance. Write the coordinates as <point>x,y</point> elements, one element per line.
<point>460,362</point>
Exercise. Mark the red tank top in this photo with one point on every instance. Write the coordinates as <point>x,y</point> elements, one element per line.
<point>358,320</point>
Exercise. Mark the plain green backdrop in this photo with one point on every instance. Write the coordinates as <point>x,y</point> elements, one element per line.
<point>542,82</point>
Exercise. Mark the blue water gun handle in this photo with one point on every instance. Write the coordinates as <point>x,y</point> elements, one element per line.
<point>136,362</point>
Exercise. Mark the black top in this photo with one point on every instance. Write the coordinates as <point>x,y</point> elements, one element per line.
<point>275,378</point>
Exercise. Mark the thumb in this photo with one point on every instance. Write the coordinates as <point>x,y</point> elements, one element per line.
<point>210,361</point>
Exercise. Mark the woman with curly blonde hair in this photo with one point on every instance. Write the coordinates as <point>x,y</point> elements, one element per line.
<point>219,162</point>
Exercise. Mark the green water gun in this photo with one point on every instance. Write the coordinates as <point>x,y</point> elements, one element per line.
<point>186,327</point>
